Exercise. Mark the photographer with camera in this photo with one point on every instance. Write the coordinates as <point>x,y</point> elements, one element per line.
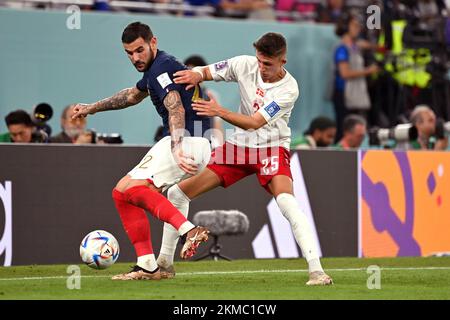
<point>73,131</point>
<point>21,129</point>
<point>423,119</point>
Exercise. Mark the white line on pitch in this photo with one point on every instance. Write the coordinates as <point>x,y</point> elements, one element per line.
<point>200,273</point>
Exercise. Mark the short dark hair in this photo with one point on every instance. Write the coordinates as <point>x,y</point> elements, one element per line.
<point>18,117</point>
<point>196,61</point>
<point>136,30</point>
<point>343,22</point>
<point>320,123</point>
<point>271,44</point>
<point>351,121</point>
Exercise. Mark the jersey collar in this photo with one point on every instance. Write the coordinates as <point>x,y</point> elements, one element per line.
<point>269,85</point>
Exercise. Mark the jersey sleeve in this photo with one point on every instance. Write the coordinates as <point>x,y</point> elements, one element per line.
<point>279,106</point>
<point>142,84</point>
<point>227,70</point>
<point>161,79</point>
<point>341,54</point>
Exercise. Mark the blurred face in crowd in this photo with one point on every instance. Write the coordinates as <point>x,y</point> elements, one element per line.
<point>271,68</point>
<point>354,28</point>
<point>324,138</point>
<point>20,133</point>
<point>356,136</point>
<point>73,128</point>
<point>426,124</point>
<point>335,4</point>
<point>141,53</point>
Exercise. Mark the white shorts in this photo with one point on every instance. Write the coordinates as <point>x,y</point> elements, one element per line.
<point>159,165</point>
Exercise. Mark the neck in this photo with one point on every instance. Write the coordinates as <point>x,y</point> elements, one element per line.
<point>280,75</point>
<point>346,39</point>
<point>344,143</point>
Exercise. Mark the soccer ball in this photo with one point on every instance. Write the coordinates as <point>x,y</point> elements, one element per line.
<point>99,249</point>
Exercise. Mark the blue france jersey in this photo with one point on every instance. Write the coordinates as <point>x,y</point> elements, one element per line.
<point>158,81</point>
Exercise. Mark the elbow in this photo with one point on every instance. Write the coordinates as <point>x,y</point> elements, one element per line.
<point>254,126</point>
<point>345,75</point>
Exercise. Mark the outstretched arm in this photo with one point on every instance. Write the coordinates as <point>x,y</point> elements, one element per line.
<point>192,77</point>
<point>174,105</point>
<point>123,99</point>
<point>212,108</point>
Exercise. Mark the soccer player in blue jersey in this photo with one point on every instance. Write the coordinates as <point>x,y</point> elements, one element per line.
<point>174,158</point>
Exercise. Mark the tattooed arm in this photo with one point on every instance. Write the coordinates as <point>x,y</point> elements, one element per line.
<point>174,105</point>
<point>123,99</point>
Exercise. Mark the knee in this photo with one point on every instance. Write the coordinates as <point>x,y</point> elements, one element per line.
<point>176,195</point>
<point>122,185</point>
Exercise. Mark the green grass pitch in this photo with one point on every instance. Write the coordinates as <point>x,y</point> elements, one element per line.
<point>400,278</point>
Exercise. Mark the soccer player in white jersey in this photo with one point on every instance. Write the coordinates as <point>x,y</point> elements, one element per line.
<point>259,145</point>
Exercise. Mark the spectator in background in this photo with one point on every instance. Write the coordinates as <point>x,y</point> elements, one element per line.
<point>424,119</point>
<point>294,10</point>
<point>321,133</point>
<point>101,5</point>
<point>21,129</point>
<point>355,129</point>
<point>217,137</point>
<point>350,94</point>
<point>73,131</point>
<point>331,12</point>
<point>253,9</point>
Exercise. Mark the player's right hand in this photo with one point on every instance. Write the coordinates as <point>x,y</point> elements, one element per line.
<point>189,77</point>
<point>80,110</point>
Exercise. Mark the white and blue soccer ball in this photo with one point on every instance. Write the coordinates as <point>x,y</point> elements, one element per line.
<point>99,249</point>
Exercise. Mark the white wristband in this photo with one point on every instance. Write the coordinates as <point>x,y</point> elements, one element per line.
<point>199,71</point>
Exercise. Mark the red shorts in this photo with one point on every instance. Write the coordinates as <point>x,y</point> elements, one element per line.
<point>232,163</point>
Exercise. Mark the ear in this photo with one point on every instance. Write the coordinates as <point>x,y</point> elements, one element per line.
<point>154,42</point>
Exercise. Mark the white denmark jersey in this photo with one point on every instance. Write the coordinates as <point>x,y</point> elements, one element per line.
<point>274,101</point>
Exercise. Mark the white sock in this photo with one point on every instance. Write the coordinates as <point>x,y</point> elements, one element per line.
<point>147,262</point>
<point>170,234</point>
<point>301,228</point>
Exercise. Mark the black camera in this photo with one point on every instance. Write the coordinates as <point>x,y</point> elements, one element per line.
<point>42,112</point>
<point>108,138</point>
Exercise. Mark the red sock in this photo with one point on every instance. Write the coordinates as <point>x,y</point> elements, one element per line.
<point>135,222</point>
<point>156,204</point>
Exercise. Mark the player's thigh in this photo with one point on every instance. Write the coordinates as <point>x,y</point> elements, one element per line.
<point>196,185</point>
<point>158,166</point>
<point>127,182</point>
<point>281,184</point>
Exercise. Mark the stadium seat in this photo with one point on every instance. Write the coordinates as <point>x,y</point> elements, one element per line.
<point>221,223</point>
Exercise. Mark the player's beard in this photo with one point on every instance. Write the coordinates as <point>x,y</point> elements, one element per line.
<point>147,64</point>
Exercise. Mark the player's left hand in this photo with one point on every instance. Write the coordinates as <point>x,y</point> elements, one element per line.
<point>184,162</point>
<point>188,77</point>
<point>210,108</point>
